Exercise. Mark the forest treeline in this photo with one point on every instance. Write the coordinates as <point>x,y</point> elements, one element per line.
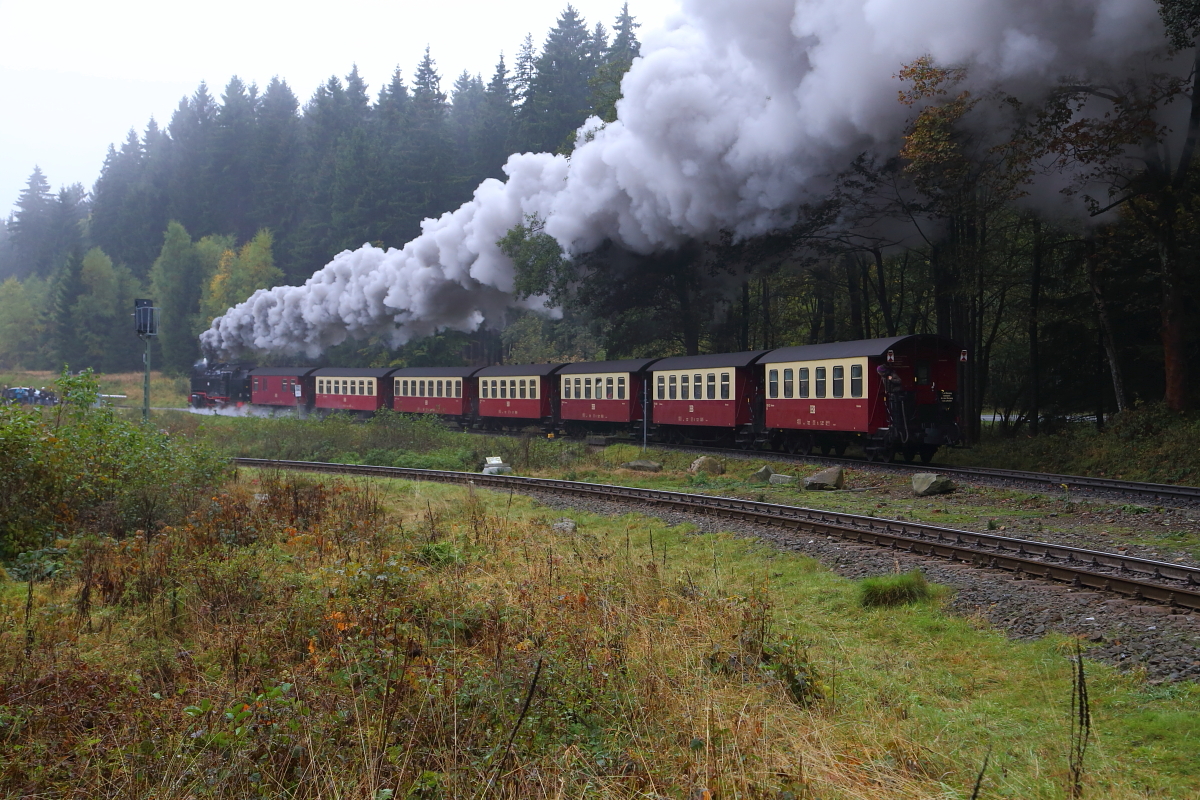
<point>1056,240</point>
<point>300,181</point>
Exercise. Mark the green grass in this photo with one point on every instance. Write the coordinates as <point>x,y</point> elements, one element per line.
<point>895,590</point>
<point>165,391</point>
<point>1147,443</point>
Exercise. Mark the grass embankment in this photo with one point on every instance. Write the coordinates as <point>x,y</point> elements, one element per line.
<point>396,440</point>
<point>1148,443</point>
<point>165,391</point>
<point>308,639</point>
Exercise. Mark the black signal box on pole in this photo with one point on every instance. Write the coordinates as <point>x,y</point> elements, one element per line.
<point>144,317</point>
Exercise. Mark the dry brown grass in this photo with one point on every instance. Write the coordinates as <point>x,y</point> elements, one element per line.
<point>319,639</point>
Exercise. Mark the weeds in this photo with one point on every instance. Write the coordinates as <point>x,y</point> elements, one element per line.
<point>895,590</point>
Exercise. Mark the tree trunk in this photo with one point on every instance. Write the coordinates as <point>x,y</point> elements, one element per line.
<point>885,301</point>
<point>1172,333</point>
<point>765,286</point>
<point>853,292</point>
<point>745,331</point>
<point>1110,346</point>
<point>1035,291</point>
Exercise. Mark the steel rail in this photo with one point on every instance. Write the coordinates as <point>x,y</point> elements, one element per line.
<point>1172,584</point>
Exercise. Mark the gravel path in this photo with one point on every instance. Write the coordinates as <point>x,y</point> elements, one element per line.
<point>1156,639</point>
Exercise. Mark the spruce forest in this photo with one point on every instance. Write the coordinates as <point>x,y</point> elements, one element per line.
<point>1063,315</point>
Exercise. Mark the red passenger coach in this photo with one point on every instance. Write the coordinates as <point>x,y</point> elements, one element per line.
<point>602,396</point>
<point>894,394</point>
<point>707,398</point>
<point>448,391</point>
<point>347,389</point>
<point>281,387</point>
<point>518,395</point>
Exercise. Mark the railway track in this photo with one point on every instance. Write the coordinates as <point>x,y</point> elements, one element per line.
<point>1139,578</point>
<point>1146,491</point>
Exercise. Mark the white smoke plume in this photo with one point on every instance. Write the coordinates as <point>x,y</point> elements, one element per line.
<point>736,114</point>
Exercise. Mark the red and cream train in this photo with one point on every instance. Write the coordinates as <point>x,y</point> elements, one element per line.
<point>894,395</point>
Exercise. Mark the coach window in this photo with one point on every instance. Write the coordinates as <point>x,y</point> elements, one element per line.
<point>839,381</point>
<point>711,394</point>
<point>820,376</point>
<point>789,385</point>
<point>662,387</point>
<point>441,389</point>
<point>371,386</point>
<point>566,388</point>
<point>671,388</point>
<point>494,395</point>
<point>521,383</point>
<point>773,383</point>
<point>802,374</point>
<point>684,388</point>
<point>621,388</point>
<point>256,384</point>
<point>608,388</point>
<point>922,373</point>
<point>533,388</point>
<point>587,388</point>
<point>724,385</point>
<point>856,380</point>
<point>458,388</point>
<point>697,387</point>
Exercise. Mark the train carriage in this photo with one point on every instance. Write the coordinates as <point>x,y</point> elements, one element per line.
<point>897,394</point>
<point>707,398</point>
<point>518,395</point>
<point>448,391</point>
<point>358,390</point>
<point>603,396</point>
<point>282,387</point>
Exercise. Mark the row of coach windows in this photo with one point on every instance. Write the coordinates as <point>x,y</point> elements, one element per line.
<point>604,388</point>
<point>363,386</point>
<point>692,387</point>
<point>796,382</point>
<point>428,388</point>
<point>286,385</point>
<point>508,388</point>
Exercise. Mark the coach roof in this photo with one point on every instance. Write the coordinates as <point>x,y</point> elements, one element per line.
<point>712,361</point>
<point>591,367</point>
<point>855,349</point>
<point>299,372</point>
<point>504,370</point>
<point>351,372</point>
<point>435,372</point>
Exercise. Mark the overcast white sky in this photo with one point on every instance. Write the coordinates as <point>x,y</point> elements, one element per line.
<point>75,75</point>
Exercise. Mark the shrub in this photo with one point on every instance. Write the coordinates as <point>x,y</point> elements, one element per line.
<point>77,468</point>
<point>895,590</point>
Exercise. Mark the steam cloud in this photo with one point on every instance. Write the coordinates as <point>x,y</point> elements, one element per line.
<point>735,114</point>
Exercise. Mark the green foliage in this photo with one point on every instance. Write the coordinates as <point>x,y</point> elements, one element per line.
<point>895,590</point>
<point>76,468</point>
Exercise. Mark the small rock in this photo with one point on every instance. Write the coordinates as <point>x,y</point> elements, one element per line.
<point>831,478</point>
<point>642,465</point>
<point>927,483</point>
<point>707,464</point>
<point>780,480</point>
<point>763,475</point>
<point>564,525</point>
<point>497,469</point>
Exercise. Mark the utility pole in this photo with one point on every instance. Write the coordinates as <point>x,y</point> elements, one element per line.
<point>145,318</point>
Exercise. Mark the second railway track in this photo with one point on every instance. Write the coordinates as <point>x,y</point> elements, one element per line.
<point>1139,578</point>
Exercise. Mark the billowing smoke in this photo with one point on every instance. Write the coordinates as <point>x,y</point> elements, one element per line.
<point>735,115</point>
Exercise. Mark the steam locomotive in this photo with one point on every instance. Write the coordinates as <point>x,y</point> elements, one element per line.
<point>891,396</point>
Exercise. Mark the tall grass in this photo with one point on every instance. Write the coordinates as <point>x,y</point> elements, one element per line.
<point>304,638</point>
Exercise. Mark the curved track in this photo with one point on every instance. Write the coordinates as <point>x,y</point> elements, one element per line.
<point>1148,491</point>
<point>1139,578</point>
